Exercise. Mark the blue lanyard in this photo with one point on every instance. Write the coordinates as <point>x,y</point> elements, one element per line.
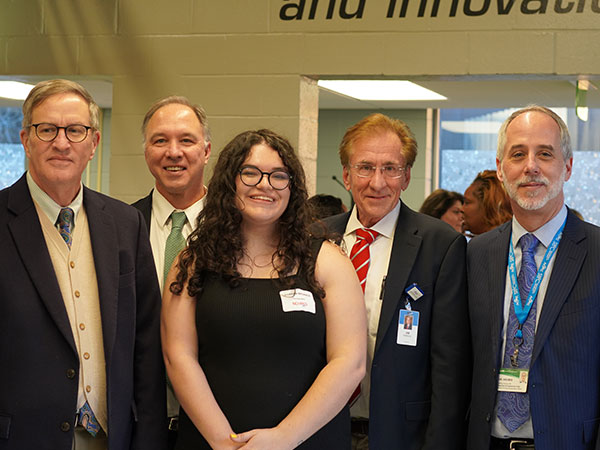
<point>522,311</point>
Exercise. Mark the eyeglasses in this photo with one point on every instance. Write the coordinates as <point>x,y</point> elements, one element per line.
<point>47,132</point>
<point>252,176</point>
<point>368,170</point>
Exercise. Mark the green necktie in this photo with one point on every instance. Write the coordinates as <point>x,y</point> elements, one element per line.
<point>175,241</point>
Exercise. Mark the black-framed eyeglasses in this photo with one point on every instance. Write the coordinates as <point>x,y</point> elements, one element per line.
<point>252,176</point>
<point>368,170</point>
<point>48,131</point>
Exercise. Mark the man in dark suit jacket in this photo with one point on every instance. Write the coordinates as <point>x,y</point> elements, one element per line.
<point>556,404</point>
<point>415,394</point>
<point>48,371</point>
<point>177,148</point>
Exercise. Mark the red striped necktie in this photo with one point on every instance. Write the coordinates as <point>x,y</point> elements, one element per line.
<point>361,259</point>
<point>360,255</point>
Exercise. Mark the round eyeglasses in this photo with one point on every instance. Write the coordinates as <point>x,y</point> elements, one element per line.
<point>368,170</point>
<point>252,176</point>
<point>47,132</point>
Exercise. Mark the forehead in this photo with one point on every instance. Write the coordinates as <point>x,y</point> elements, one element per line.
<point>382,146</point>
<point>174,116</point>
<point>69,106</point>
<point>533,128</point>
<point>263,155</point>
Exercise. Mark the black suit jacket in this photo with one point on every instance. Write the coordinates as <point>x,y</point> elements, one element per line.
<point>419,395</point>
<point>564,379</point>
<point>38,358</point>
<point>144,205</point>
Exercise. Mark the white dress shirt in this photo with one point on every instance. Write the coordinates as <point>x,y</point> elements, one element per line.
<point>160,227</point>
<point>380,251</point>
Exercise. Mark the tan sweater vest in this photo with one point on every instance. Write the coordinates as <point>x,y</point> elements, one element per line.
<point>76,275</point>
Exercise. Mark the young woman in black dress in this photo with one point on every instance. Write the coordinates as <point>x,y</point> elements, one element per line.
<point>263,325</point>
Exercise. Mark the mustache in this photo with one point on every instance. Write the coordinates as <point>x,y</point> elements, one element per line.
<point>539,179</point>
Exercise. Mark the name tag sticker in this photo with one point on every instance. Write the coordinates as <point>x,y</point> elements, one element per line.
<point>513,380</point>
<point>297,300</point>
<point>408,327</point>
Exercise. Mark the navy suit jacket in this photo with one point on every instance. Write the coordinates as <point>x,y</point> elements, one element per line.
<point>564,380</point>
<point>419,395</point>
<point>38,358</point>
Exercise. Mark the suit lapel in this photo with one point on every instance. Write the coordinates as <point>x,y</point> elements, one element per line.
<point>497,258</point>
<point>103,234</point>
<point>27,233</point>
<point>405,249</point>
<point>567,265</point>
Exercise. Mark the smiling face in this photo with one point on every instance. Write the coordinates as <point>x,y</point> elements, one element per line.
<point>261,204</point>
<point>377,195</point>
<point>533,168</point>
<point>176,154</point>
<point>56,166</point>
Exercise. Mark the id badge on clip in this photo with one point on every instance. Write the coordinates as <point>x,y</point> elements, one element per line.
<point>513,380</point>
<point>408,327</point>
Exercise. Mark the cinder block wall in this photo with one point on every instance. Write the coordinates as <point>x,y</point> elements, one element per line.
<point>246,65</point>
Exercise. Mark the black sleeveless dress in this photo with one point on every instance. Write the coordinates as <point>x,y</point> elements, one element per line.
<point>259,360</point>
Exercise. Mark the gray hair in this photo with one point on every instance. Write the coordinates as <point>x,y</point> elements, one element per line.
<point>565,138</point>
<point>48,88</point>
<point>178,100</point>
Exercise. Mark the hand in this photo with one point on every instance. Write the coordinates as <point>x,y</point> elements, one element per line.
<point>264,439</point>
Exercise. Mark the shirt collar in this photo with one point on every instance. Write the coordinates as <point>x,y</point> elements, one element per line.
<point>545,233</point>
<point>385,226</point>
<point>162,209</point>
<point>49,206</point>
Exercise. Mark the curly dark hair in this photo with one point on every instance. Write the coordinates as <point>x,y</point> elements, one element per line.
<point>217,246</point>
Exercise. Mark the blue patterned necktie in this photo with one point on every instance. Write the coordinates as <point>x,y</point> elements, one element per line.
<point>65,225</point>
<point>513,407</point>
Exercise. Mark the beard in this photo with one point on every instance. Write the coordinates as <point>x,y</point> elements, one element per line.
<point>535,200</point>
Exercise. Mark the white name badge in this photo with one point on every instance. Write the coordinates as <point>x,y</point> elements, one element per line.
<point>408,327</point>
<point>513,380</point>
<point>297,300</point>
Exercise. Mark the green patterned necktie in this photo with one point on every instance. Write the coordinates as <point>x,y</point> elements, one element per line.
<point>175,241</point>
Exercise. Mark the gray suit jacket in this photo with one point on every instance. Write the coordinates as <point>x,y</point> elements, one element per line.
<point>38,358</point>
<point>419,395</point>
<point>564,382</point>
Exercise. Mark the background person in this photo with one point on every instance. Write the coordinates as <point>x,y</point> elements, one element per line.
<point>486,204</point>
<point>446,206</point>
<point>264,327</point>
<point>323,205</point>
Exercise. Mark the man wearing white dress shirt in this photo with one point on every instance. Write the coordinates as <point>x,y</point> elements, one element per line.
<point>177,148</point>
<point>415,393</point>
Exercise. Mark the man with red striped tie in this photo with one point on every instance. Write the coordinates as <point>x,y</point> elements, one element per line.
<point>412,270</point>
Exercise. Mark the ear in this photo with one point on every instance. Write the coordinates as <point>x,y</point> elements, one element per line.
<point>24,135</point>
<point>406,180</point>
<point>569,165</point>
<point>95,142</point>
<point>499,170</point>
<point>207,150</point>
<point>346,178</point>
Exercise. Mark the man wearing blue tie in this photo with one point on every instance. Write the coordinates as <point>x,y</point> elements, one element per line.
<point>80,358</point>
<point>534,302</point>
